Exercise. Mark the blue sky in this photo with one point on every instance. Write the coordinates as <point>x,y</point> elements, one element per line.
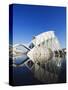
<point>29,21</point>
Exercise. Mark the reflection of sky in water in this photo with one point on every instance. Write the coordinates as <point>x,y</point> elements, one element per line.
<point>22,75</point>
<point>20,59</point>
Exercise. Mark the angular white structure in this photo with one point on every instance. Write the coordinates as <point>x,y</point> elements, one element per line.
<point>43,51</point>
<point>44,46</point>
<point>48,39</point>
<point>40,54</point>
<point>19,51</point>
